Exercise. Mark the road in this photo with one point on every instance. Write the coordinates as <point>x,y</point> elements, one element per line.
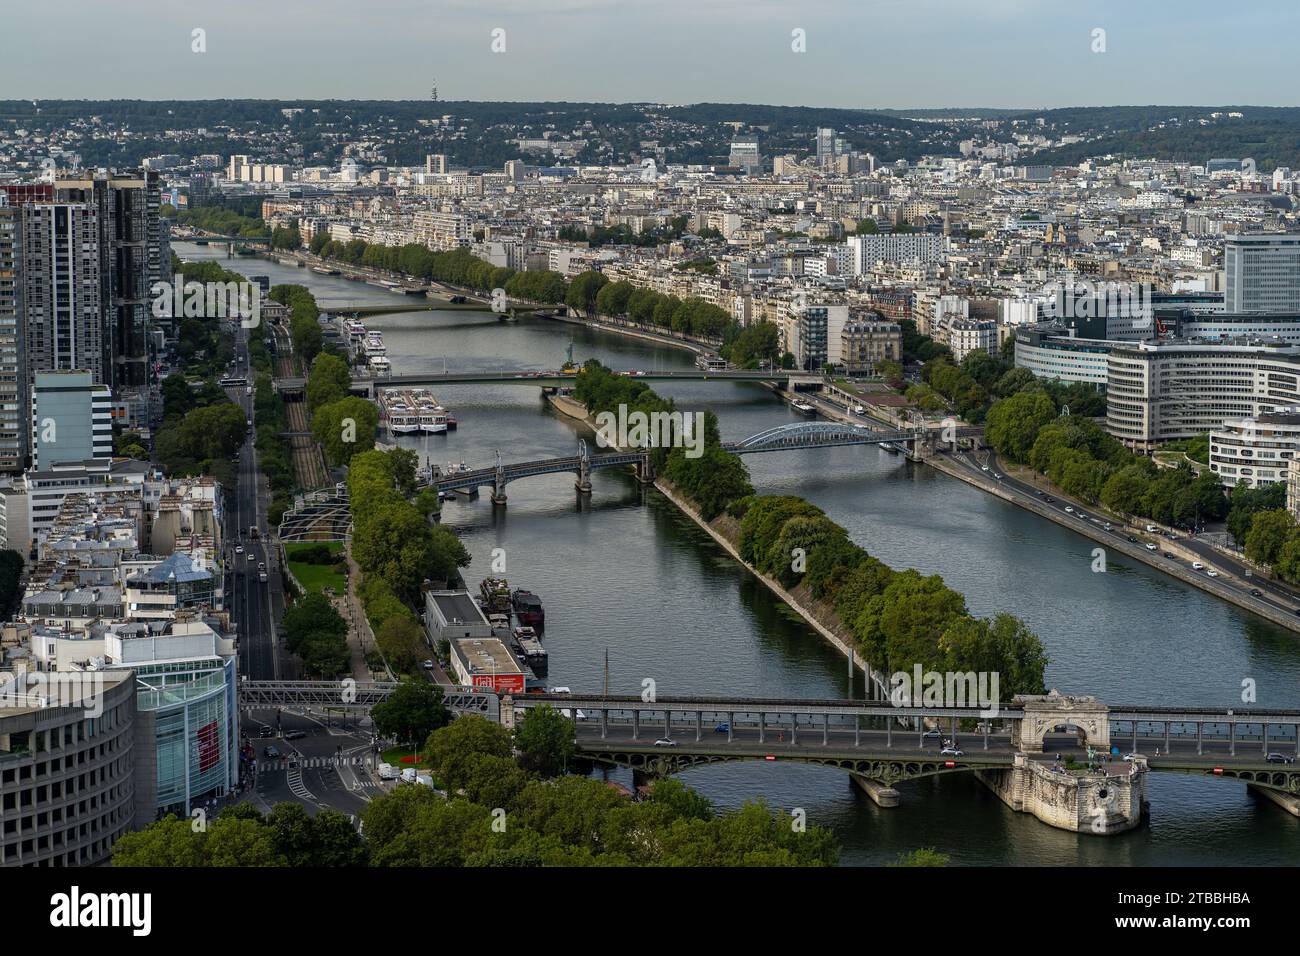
<point>1216,751</point>
<point>327,767</point>
<point>1239,577</point>
<point>256,605</point>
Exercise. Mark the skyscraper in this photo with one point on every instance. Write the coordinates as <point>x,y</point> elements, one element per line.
<point>130,255</point>
<point>13,404</point>
<point>825,147</point>
<point>1262,273</point>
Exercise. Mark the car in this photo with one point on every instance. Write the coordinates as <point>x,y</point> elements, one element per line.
<point>1279,758</point>
<point>239,549</point>
<point>1197,566</point>
<point>930,733</point>
<point>1152,529</point>
<point>408,775</point>
<point>261,565</point>
<point>859,410</point>
<point>1069,509</point>
<point>951,752</point>
<point>722,728</point>
<point>271,753</point>
<point>1256,592</point>
<point>984,467</point>
<point>997,476</point>
<point>1171,556</point>
<point>1130,757</point>
<point>387,771</point>
<point>252,556</point>
<point>1039,492</point>
<point>428,665</point>
<point>266,732</point>
<point>295,735</point>
<point>1050,500</point>
<point>1151,547</point>
<point>665,742</point>
<point>1211,572</point>
<point>1106,526</point>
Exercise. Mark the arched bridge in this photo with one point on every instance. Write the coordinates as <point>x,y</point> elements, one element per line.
<point>791,437</point>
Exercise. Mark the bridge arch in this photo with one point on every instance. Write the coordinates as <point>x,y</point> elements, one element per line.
<point>1045,712</point>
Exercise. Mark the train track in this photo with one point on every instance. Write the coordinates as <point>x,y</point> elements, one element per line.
<point>308,456</point>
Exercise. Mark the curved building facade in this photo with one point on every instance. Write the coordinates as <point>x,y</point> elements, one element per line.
<point>1159,392</point>
<point>66,767</point>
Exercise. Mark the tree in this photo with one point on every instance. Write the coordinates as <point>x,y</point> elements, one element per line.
<point>925,856</point>
<point>1269,532</point>
<point>345,427</point>
<point>584,291</point>
<point>545,738</point>
<point>171,842</point>
<point>411,713</point>
<point>1013,423</point>
<point>402,641</point>
<point>451,749</point>
<point>329,381</point>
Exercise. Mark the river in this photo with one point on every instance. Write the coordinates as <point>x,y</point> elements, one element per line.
<point>626,573</point>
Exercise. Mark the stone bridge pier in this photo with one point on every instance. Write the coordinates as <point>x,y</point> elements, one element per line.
<point>1046,713</point>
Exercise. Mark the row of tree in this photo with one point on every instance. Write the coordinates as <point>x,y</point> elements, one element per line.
<point>652,309</point>
<point>712,480</point>
<point>1079,456</point>
<point>304,315</point>
<point>318,634</point>
<point>397,548</point>
<point>504,806</point>
<point>899,618</point>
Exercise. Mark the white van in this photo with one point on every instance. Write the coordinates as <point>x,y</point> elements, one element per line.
<point>387,771</point>
<point>408,775</point>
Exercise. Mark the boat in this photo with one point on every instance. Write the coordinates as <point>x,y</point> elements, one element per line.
<point>380,365</point>
<point>531,650</point>
<point>528,608</point>
<point>496,595</point>
<point>451,422</point>
<point>890,447</point>
<point>323,271</point>
<point>399,415</point>
<point>803,408</point>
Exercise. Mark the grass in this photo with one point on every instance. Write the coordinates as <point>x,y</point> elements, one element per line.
<point>315,577</point>
<point>397,757</point>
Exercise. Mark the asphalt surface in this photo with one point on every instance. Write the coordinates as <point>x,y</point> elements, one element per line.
<point>256,605</point>
<point>1181,750</point>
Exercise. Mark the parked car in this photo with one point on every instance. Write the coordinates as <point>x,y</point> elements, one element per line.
<point>408,775</point>
<point>1152,529</point>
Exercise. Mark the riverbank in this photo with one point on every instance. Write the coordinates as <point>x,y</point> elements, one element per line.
<point>725,531</point>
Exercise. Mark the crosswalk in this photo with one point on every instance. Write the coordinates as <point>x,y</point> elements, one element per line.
<point>297,788</point>
<point>312,763</point>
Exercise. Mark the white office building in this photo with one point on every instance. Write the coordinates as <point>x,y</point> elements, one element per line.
<point>1262,273</point>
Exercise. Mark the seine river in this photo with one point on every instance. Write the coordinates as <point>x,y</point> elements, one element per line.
<point>626,574</point>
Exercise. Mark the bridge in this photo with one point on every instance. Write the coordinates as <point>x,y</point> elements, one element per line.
<point>353,695</point>
<point>368,386</point>
<point>790,437</point>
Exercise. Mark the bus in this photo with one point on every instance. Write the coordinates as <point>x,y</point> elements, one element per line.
<point>233,382</point>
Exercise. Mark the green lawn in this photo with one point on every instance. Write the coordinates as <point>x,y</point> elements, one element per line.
<point>314,577</point>
<point>394,756</point>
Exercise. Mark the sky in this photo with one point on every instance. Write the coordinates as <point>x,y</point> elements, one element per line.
<point>902,54</point>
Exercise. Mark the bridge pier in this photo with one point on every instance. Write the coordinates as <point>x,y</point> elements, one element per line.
<point>881,795</point>
<point>499,487</point>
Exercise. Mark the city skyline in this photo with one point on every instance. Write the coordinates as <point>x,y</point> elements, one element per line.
<point>1012,54</point>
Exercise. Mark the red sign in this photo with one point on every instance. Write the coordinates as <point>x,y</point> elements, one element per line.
<point>950,763</point>
<point>770,757</point>
<point>1218,771</point>
<point>501,683</point>
<point>209,746</point>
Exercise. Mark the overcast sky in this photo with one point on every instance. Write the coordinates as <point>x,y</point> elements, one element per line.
<point>859,53</point>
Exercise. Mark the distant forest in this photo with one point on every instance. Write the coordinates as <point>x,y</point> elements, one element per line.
<point>696,133</point>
